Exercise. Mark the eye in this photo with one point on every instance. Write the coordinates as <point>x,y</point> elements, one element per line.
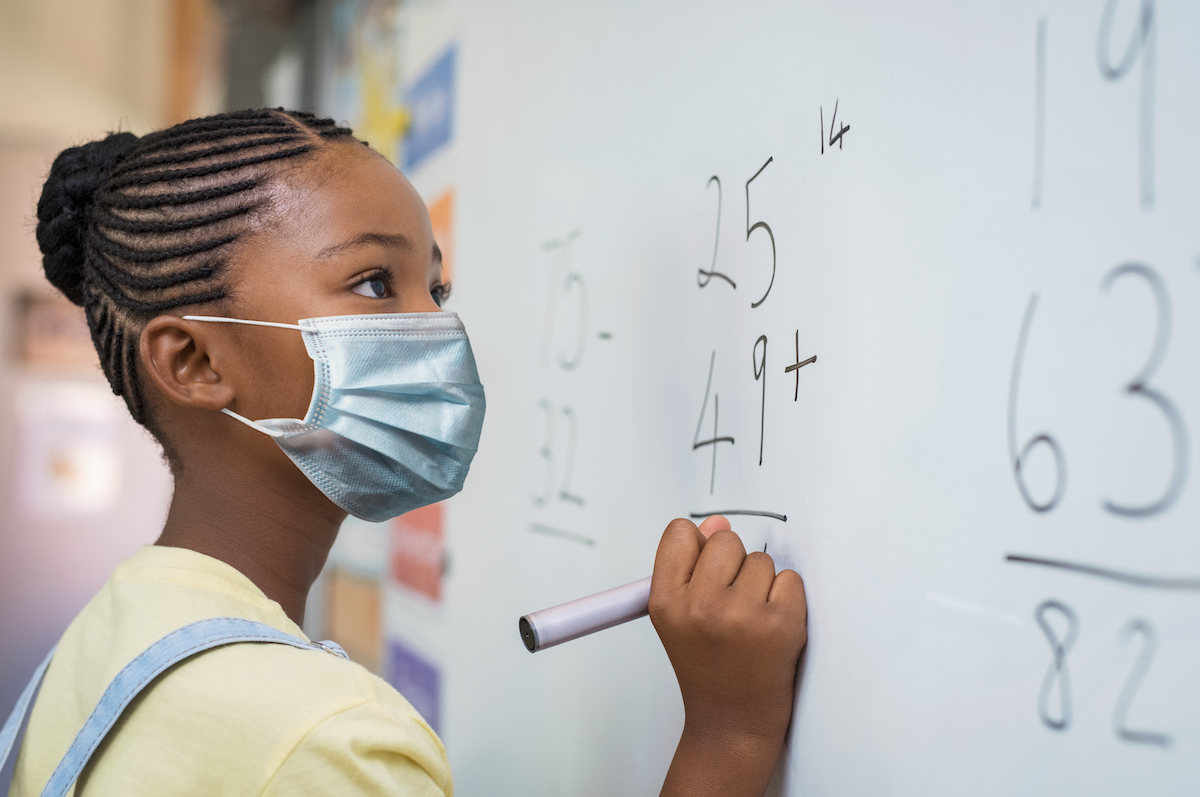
<point>374,286</point>
<point>440,293</point>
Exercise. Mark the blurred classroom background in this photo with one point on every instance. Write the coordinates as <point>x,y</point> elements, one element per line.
<point>81,485</point>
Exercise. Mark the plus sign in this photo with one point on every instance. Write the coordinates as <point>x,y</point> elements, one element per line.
<point>796,366</point>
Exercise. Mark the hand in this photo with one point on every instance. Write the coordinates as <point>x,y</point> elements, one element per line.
<point>733,631</point>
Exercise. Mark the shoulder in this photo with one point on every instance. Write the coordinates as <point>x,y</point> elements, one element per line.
<point>368,749</point>
<point>269,686</point>
<point>287,720</point>
<point>336,728</point>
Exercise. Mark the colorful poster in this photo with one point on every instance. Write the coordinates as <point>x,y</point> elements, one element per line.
<point>362,79</point>
<point>418,552</point>
<point>431,102</point>
<point>69,462</point>
<point>353,614</point>
<point>417,679</point>
<point>53,333</point>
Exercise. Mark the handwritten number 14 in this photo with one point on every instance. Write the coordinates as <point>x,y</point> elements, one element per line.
<point>834,138</point>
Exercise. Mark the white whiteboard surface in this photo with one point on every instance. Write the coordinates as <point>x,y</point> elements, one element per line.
<point>907,257</point>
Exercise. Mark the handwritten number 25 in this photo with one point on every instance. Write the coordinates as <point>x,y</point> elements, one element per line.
<point>705,276</point>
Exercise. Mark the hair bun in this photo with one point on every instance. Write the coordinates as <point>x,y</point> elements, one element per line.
<point>65,205</point>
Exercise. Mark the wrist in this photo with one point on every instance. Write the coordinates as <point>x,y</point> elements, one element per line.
<point>722,761</point>
<point>732,740</point>
<point>738,722</point>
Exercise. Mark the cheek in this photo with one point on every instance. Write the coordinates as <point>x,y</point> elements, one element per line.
<point>282,377</point>
<point>300,384</point>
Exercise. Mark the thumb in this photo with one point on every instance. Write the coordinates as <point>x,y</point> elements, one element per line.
<point>713,524</point>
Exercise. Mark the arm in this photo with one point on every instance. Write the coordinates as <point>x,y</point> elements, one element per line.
<point>733,631</point>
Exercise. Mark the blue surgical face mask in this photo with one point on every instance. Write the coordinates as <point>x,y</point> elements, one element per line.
<point>396,410</point>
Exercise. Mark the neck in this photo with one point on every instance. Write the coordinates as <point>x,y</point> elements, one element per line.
<point>276,535</point>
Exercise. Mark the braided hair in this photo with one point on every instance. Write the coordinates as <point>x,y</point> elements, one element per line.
<point>131,228</point>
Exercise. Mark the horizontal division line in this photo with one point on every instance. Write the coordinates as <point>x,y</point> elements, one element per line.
<point>550,531</point>
<point>1134,579</point>
<point>754,512</point>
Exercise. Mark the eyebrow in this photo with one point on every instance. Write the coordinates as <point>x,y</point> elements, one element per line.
<point>386,240</point>
<point>437,253</point>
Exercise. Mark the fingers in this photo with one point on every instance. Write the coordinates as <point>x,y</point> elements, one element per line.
<point>719,562</point>
<point>757,577</point>
<point>788,593</point>
<point>678,552</point>
<point>713,523</point>
<point>686,558</point>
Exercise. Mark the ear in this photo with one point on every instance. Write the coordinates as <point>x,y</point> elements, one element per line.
<point>176,356</point>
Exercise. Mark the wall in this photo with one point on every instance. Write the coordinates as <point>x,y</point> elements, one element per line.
<point>81,486</point>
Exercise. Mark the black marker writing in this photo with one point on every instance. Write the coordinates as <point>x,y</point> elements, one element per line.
<point>751,512</point>
<point>796,366</point>
<point>760,372</point>
<point>1143,43</point>
<point>1129,690</point>
<point>1056,674</point>
<point>1139,387</point>
<point>716,438</point>
<point>1039,124</point>
<point>1110,574</point>
<point>704,277</point>
<point>763,225</point>
<point>1018,458</point>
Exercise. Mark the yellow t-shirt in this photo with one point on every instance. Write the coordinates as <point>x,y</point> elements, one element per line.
<point>245,719</point>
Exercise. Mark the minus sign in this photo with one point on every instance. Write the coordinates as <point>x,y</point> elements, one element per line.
<point>605,336</point>
<point>751,512</point>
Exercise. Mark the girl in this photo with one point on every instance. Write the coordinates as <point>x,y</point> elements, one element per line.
<point>217,262</point>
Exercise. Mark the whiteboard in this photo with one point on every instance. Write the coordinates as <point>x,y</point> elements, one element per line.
<point>981,219</point>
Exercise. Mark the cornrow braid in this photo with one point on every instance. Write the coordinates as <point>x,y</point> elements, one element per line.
<point>131,227</point>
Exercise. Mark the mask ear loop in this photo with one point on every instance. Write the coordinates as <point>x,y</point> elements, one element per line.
<point>225,320</point>
<point>258,427</point>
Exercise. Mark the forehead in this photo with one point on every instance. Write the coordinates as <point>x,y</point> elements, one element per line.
<point>343,192</point>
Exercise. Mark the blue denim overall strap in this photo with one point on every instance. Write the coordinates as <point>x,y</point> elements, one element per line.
<point>135,676</point>
<point>11,729</point>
